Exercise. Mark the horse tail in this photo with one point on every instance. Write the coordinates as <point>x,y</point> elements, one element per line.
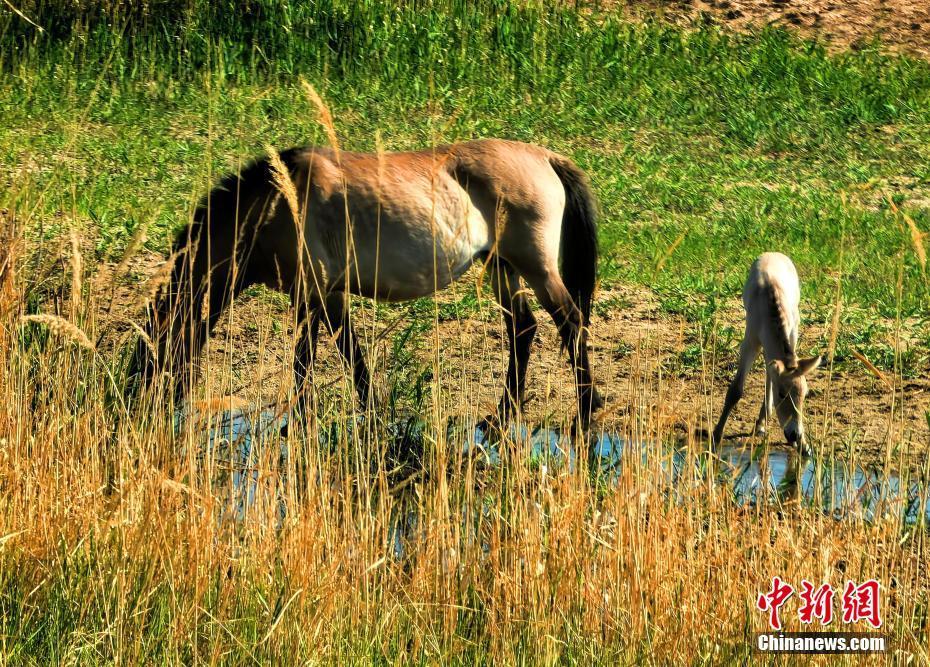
<point>209,256</point>
<point>579,248</point>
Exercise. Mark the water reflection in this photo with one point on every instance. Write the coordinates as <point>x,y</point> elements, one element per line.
<point>242,446</point>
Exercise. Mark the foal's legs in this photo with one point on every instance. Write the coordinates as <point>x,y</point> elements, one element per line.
<point>521,329</point>
<point>748,352</point>
<point>768,404</point>
<point>554,297</point>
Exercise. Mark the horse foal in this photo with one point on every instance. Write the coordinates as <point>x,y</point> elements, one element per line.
<point>771,298</point>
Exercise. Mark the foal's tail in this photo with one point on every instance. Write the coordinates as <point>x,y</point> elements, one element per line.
<point>579,235</point>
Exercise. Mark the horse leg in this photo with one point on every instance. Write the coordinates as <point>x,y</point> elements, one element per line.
<point>554,297</point>
<point>338,322</point>
<point>308,326</point>
<point>521,329</point>
<point>748,352</point>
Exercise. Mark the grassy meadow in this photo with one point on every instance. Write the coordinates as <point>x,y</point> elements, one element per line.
<point>704,148</point>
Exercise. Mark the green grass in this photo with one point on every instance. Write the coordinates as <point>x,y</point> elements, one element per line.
<point>742,144</point>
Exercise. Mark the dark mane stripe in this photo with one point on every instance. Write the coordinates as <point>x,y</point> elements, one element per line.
<point>779,323</point>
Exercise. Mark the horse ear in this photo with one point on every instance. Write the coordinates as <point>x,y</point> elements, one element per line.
<point>777,366</point>
<point>805,366</point>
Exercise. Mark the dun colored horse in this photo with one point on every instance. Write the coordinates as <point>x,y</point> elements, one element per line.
<point>319,224</point>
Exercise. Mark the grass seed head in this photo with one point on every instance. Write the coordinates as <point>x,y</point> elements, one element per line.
<point>61,327</point>
<point>284,183</point>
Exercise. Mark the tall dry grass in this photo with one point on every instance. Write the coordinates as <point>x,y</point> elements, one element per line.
<point>114,546</point>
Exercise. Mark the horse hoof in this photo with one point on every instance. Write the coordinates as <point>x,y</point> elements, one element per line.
<point>490,424</point>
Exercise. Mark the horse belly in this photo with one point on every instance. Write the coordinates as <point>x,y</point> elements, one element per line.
<point>413,259</point>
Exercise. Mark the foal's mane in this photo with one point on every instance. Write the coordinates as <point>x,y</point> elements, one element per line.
<point>779,323</point>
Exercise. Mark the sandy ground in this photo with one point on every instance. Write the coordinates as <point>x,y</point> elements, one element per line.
<point>902,25</point>
<point>636,353</point>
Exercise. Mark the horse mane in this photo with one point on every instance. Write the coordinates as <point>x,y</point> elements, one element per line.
<point>779,323</point>
<point>224,203</point>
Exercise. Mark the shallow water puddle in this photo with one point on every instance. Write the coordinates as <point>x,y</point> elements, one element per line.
<point>751,473</point>
<point>243,448</point>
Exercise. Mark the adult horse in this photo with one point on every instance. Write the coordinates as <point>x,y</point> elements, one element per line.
<point>320,224</point>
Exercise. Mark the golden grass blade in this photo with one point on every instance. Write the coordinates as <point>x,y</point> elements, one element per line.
<point>23,16</point>
<point>277,621</point>
<point>835,320</point>
<point>144,336</point>
<point>873,369</point>
<point>138,238</point>
<point>325,117</point>
<point>283,182</point>
<point>379,151</point>
<point>9,536</point>
<point>159,278</point>
<point>77,270</point>
<point>671,249</point>
<point>917,238</point>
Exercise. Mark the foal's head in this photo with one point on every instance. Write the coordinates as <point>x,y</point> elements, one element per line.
<point>790,384</point>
